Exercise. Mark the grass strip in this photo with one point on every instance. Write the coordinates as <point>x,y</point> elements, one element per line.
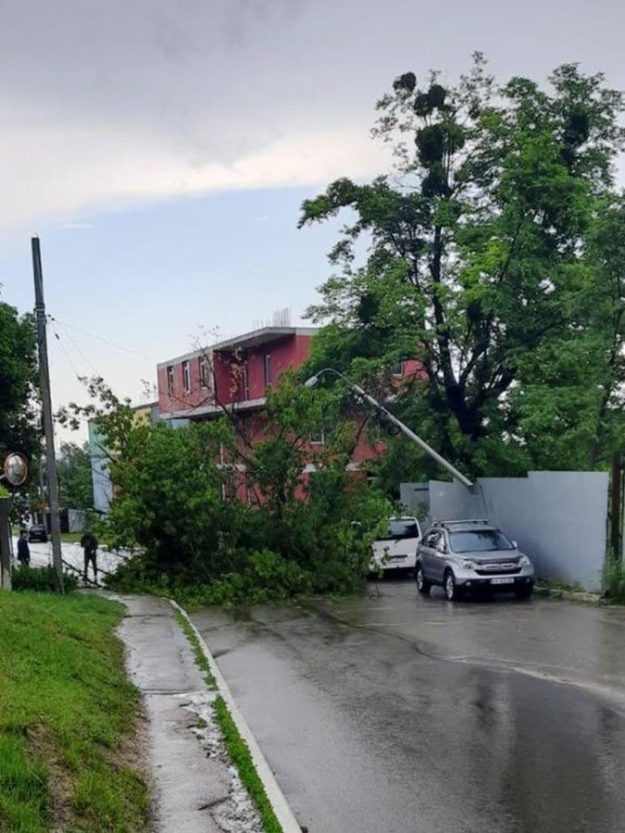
<point>236,747</point>
<point>67,719</point>
<point>240,756</point>
<point>198,653</point>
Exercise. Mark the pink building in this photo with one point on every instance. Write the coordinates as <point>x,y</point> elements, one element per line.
<point>234,373</point>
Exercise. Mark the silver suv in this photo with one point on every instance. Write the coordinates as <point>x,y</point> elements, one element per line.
<point>467,555</point>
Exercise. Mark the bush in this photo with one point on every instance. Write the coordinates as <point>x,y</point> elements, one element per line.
<point>41,579</point>
<point>614,579</point>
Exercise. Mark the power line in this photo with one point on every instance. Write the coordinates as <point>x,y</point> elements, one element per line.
<point>106,341</point>
<point>75,345</point>
<point>67,356</point>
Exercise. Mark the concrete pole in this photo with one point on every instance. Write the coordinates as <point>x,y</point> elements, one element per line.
<point>5,543</point>
<point>46,407</point>
<point>457,475</point>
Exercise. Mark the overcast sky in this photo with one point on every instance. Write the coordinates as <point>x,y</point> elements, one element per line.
<point>161,149</point>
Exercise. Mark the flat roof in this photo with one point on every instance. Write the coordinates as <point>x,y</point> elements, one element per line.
<point>254,338</point>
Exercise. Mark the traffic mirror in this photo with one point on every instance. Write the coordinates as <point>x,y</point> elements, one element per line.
<point>15,468</point>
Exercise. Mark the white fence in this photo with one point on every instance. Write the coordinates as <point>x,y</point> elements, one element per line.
<point>557,517</point>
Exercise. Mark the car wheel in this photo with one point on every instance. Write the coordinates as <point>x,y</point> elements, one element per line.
<point>524,591</point>
<point>452,592</point>
<point>423,586</point>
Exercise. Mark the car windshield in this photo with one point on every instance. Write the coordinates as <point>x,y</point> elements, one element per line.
<point>402,529</point>
<point>479,540</point>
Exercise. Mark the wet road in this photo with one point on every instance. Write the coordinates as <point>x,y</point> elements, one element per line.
<point>41,556</point>
<point>395,714</point>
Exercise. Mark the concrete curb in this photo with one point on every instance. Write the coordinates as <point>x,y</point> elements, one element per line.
<point>275,795</point>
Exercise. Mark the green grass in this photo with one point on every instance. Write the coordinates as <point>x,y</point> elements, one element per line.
<point>237,748</point>
<point>198,653</point>
<point>67,716</point>
<point>241,758</point>
<point>71,537</point>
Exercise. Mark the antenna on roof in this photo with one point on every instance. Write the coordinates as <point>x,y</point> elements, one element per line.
<point>282,317</point>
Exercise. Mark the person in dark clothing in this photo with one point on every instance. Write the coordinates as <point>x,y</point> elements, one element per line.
<point>89,543</point>
<point>23,550</point>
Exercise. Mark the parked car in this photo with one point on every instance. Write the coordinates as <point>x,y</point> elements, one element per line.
<point>397,550</point>
<point>469,554</point>
<point>37,532</point>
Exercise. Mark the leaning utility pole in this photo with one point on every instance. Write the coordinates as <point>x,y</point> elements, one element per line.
<point>46,407</point>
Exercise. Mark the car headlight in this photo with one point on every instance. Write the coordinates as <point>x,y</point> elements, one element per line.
<point>524,561</point>
<point>468,564</point>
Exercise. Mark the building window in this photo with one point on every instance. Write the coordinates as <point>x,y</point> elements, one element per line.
<point>170,380</point>
<point>267,369</point>
<point>319,436</point>
<point>397,368</point>
<point>186,377</point>
<point>204,372</point>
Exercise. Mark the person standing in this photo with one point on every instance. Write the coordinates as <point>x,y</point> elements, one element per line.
<point>89,543</point>
<point>23,550</point>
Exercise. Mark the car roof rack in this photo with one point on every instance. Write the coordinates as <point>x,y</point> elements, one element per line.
<point>463,522</point>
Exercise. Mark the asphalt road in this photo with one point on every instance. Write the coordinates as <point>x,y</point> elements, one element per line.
<point>41,555</point>
<point>399,714</point>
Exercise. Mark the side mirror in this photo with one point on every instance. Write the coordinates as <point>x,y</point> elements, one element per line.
<point>514,544</point>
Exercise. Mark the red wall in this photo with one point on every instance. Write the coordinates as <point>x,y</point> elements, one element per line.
<point>286,352</point>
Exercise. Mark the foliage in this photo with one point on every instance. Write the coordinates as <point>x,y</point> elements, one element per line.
<point>325,520</point>
<point>179,498</point>
<point>263,577</point>
<point>614,579</point>
<point>18,375</point>
<point>66,713</point>
<point>41,579</point>
<point>74,473</point>
<point>495,259</point>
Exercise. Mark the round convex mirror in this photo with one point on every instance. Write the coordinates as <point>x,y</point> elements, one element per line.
<point>15,468</point>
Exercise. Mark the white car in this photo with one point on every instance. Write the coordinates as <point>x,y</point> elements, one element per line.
<point>397,550</point>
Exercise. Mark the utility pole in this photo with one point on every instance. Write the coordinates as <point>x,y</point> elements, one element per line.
<point>46,406</point>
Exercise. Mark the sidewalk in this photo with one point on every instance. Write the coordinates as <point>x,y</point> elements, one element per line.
<point>192,792</point>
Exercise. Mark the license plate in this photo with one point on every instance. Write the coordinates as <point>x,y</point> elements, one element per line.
<point>502,580</point>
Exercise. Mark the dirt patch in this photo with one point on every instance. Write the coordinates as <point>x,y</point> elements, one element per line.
<point>132,754</point>
<point>41,745</point>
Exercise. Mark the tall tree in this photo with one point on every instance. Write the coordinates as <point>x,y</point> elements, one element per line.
<point>481,260</point>
<point>18,373</point>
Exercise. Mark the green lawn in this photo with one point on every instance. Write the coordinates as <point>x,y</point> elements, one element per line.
<point>71,537</point>
<point>67,718</point>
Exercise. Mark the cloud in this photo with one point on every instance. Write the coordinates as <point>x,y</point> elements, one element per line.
<point>109,102</point>
<point>150,100</point>
<point>107,166</point>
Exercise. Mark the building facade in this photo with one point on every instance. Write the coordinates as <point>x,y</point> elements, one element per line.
<point>232,374</point>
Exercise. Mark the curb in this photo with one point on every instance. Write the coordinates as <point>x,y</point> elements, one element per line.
<point>280,805</point>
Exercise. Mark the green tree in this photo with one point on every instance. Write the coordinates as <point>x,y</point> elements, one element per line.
<point>484,263</point>
<point>178,496</point>
<point>18,373</point>
<point>74,472</point>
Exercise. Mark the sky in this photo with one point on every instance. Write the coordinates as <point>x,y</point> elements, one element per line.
<point>161,150</point>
